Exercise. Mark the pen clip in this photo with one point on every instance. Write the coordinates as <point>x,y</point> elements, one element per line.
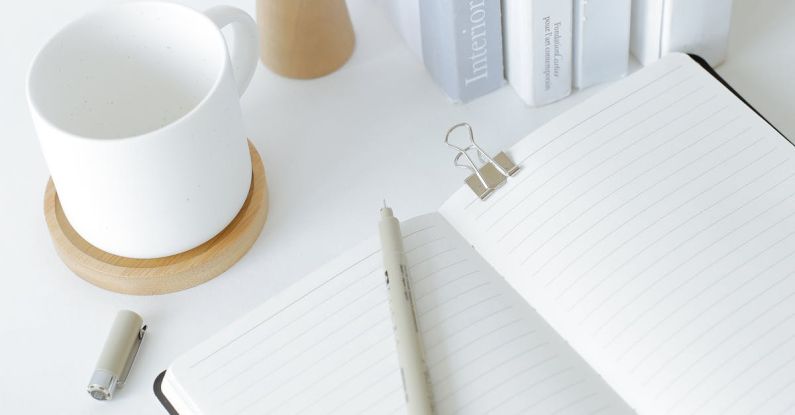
<point>131,357</point>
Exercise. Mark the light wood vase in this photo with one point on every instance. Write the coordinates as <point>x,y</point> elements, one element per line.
<point>304,38</point>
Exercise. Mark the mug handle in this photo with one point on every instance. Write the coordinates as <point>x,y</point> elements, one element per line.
<point>244,49</point>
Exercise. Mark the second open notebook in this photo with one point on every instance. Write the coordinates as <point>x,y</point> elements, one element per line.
<point>642,261</point>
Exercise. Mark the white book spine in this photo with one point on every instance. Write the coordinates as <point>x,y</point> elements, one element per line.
<point>601,41</point>
<point>646,30</point>
<point>405,15</point>
<point>700,27</point>
<point>697,26</point>
<point>538,40</point>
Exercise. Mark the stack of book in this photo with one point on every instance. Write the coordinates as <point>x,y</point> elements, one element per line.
<point>544,48</point>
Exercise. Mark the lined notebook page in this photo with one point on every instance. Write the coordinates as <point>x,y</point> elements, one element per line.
<point>654,228</point>
<point>325,345</point>
<point>486,349</point>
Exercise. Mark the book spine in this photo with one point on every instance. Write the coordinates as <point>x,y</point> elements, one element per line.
<point>462,46</point>
<point>700,27</point>
<point>646,29</point>
<point>601,41</point>
<point>538,42</point>
<point>405,15</point>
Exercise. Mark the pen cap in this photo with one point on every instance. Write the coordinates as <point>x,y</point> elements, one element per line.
<point>116,353</point>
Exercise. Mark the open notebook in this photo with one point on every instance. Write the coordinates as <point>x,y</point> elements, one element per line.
<point>642,261</point>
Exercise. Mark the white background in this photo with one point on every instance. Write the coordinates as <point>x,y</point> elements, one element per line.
<point>333,149</point>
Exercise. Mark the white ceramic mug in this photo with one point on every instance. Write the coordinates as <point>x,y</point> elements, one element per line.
<point>137,108</point>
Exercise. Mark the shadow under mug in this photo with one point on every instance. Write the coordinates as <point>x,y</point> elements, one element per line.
<point>137,109</point>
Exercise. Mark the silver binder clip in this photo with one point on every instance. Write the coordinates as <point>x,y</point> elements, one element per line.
<point>492,173</point>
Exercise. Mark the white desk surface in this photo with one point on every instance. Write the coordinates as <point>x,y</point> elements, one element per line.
<point>333,148</point>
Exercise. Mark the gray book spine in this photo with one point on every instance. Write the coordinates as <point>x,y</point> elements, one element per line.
<point>462,46</point>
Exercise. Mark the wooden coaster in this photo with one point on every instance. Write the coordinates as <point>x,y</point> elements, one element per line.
<point>168,274</point>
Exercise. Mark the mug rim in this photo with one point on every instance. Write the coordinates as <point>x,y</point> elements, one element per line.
<point>82,19</point>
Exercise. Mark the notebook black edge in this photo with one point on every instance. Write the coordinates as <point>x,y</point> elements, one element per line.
<point>699,60</point>
<point>160,396</point>
<point>159,379</point>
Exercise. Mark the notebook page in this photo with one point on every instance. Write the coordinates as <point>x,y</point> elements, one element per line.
<point>325,345</point>
<point>488,351</point>
<point>653,227</point>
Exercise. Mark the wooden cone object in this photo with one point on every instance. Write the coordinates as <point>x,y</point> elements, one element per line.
<point>304,38</point>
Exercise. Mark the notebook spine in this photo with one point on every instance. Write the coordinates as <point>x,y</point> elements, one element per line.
<point>538,43</point>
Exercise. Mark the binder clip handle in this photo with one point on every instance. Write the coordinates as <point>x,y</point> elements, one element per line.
<point>471,137</point>
<point>492,173</point>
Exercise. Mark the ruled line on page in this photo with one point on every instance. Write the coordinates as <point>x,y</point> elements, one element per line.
<point>735,332</point>
<point>728,381</point>
<point>450,353</point>
<point>678,287</point>
<point>377,402</point>
<point>477,320</point>
<point>525,179</point>
<point>698,315</point>
<point>689,300</point>
<point>436,271</point>
<point>455,279</point>
<point>579,277</point>
<point>322,377</point>
<point>778,368</point>
<point>588,118</point>
<point>518,373</point>
<point>661,144</point>
<point>307,330</point>
<point>709,307</point>
<point>469,332</point>
<point>556,392</point>
<point>689,258</point>
<point>292,321</point>
<point>677,171</point>
<point>574,403</point>
<point>424,245</point>
<point>430,258</point>
<point>603,180</point>
<point>606,107</point>
<point>650,286</point>
<point>637,213</point>
<point>379,361</point>
<point>453,298</point>
<point>418,231</point>
<point>707,226</point>
<point>468,308</point>
<point>259,379</point>
<point>513,374</point>
<point>653,223</point>
<point>602,199</point>
<point>255,326</point>
<point>523,391</point>
<point>773,394</point>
